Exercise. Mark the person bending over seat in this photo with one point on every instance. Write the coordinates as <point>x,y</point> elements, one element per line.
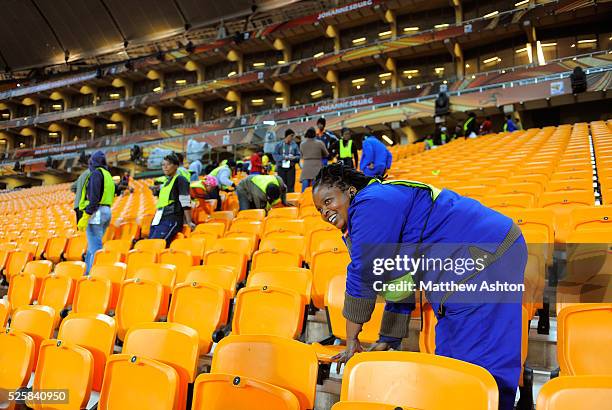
<point>261,192</point>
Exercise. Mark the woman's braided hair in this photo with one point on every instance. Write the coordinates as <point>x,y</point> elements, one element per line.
<point>342,177</point>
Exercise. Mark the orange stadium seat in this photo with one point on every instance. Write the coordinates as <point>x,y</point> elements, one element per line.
<point>17,352</point>
<point>38,322</point>
<point>576,392</point>
<point>139,301</point>
<point>92,295</point>
<point>224,276</point>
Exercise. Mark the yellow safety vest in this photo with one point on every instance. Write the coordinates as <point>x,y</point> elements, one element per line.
<point>108,193</point>
<point>215,171</point>
<point>262,182</point>
<point>346,151</point>
<point>164,193</point>
<point>466,124</point>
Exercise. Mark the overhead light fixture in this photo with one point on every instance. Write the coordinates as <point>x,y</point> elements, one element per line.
<point>54,134</point>
<point>257,101</point>
<point>410,72</point>
<point>573,45</point>
<point>281,62</point>
<point>444,25</point>
<point>445,82</point>
<point>157,89</point>
<point>520,3</point>
<point>178,115</point>
<point>57,107</point>
<point>384,75</point>
<point>111,126</point>
<point>407,29</point>
<point>259,64</point>
<point>2,141</point>
<point>491,14</point>
<point>231,73</point>
<point>549,44</point>
<point>418,87</point>
<point>155,121</point>
<point>90,131</point>
<point>316,93</point>
<point>467,65</point>
<point>439,70</point>
<point>182,81</point>
<point>387,139</point>
<point>591,40</point>
<point>384,33</point>
<point>473,76</point>
<point>114,96</point>
<point>492,60</point>
<point>319,54</point>
<point>229,108</point>
<point>521,50</point>
<point>6,115</point>
<point>359,40</point>
<point>279,100</point>
<point>358,80</point>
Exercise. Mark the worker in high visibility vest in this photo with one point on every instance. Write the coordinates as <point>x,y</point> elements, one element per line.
<point>405,237</point>
<point>261,192</point>
<point>200,191</point>
<point>470,128</point>
<point>181,169</point>
<point>348,153</point>
<point>97,197</point>
<point>223,174</point>
<point>173,203</point>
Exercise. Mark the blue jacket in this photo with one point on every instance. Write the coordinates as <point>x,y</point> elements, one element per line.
<point>375,152</point>
<point>511,126</point>
<point>95,186</point>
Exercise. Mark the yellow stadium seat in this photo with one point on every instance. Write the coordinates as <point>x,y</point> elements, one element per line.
<point>239,245</point>
<point>21,290</point>
<point>465,386</point>
<point>129,231</point>
<point>227,257</point>
<point>137,259</point>
<point>290,212</point>
<point>17,261</point>
<point>5,310</point>
<point>583,339</point>
<point>116,274</point>
<point>224,276</point>
<point>40,270</point>
<point>17,351</point>
<point>576,392</point>
<point>290,243</point>
<point>239,237</point>
<point>361,405</point>
<point>247,226</point>
<point>63,365</point>
<point>521,200</point>
<point>325,265</point>
<point>162,274</point>
<point>213,227</point>
<point>592,218</point>
<point>197,247</point>
<point>201,306</point>
<point>328,238</point>
<point>297,279</point>
<point>54,292</point>
<point>224,391</point>
<point>293,197</point>
<point>76,248</point>
<point>570,185</point>
<point>291,226</point>
<point>35,321</point>
<point>275,257</point>
<point>105,257</point>
<point>122,246</point>
<point>252,214</point>
<point>55,248</point>
<point>139,301</point>
<point>132,382</point>
<point>173,344</point>
<point>150,245</point>
<point>427,335</point>
<point>282,362</point>
<point>181,259</point>
<point>92,295</point>
<point>268,310</point>
<point>562,203</point>
<point>224,217</point>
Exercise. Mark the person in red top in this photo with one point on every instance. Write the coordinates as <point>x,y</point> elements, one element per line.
<point>486,126</point>
<point>256,167</point>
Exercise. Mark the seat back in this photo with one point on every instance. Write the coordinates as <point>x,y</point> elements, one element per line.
<point>133,382</point>
<point>293,244</point>
<point>116,274</point>
<point>279,361</point>
<point>35,321</point>
<point>266,310</point>
<point>239,244</point>
<point>286,212</point>
<point>297,279</point>
<point>95,333</point>
<point>290,226</point>
<point>174,344</point>
<point>427,336</point>
<point>64,365</point>
<point>122,246</point>
<point>592,218</point>
<point>73,269</point>
<point>55,248</point>
<point>5,310</point>
<point>197,247</point>
<point>325,265</point>
<point>388,377</point>
<point>583,339</point>
<point>216,228</point>
<point>21,290</point>
<point>224,391</point>
<point>222,257</point>
<point>17,351</point>
<point>164,275</point>
<point>247,225</point>
<point>150,245</point>
<point>576,392</point>
<point>201,306</point>
<point>92,295</point>
<point>253,214</point>
<point>327,238</point>
<point>76,248</point>
<point>223,276</point>
<point>128,231</point>
<point>137,259</point>
<point>40,270</point>
<point>275,257</point>
<point>181,259</point>
<point>54,292</point>
<point>17,261</point>
<point>139,301</point>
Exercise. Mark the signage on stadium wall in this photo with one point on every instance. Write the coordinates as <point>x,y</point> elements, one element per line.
<point>557,88</point>
<point>17,92</point>
<point>345,9</point>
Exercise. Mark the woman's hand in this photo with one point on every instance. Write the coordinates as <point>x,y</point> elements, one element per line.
<point>352,346</point>
<point>379,347</point>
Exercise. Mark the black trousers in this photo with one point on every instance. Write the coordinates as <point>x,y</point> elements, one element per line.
<point>79,214</point>
<point>214,194</point>
<point>288,176</point>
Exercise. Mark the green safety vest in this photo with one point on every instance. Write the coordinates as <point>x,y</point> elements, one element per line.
<point>443,137</point>
<point>505,127</point>
<point>161,179</point>
<point>346,151</point>
<point>108,193</point>
<point>164,193</point>
<point>466,124</point>
<point>184,173</point>
<point>401,295</point>
<point>262,181</point>
<point>215,171</point>
<point>429,142</point>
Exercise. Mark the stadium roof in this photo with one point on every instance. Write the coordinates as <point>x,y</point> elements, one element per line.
<point>39,33</point>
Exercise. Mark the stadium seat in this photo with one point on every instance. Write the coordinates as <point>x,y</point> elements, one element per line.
<point>120,246</point>
<point>202,306</point>
<point>583,339</point>
<point>576,392</point>
<point>145,225</point>
<point>251,214</point>
<point>236,239</point>
<point>570,185</point>
<point>116,274</point>
<point>92,295</point>
<point>327,238</point>
<point>427,335</point>
<point>162,274</point>
<point>268,310</point>
<point>54,292</point>
<point>275,257</point>
<point>592,218</point>
<point>197,247</point>
<point>170,343</point>
<point>284,212</point>
<point>227,257</point>
<point>520,200</point>
<point>35,321</point>
<point>17,352</point>
<point>281,276</point>
<point>465,386</point>
<point>21,290</point>
<point>181,259</point>
<point>139,301</point>
<point>247,226</point>
<point>282,362</point>
<point>224,276</point>
<point>66,366</point>
<point>40,270</point>
<point>5,311</point>
<point>325,265</point>
<point>105,257</point>
<point>293,243</point>
<point>55,248</point>
<point>73,269</point>
<point>562,203</point>
<point>133,382</point>
<point>361,405</point>
<point>282,225</point>
<point>17,261</point>
<point>308,210</point>
<point>129,231</point>
<point>76,248</point>
<point>150,245</point>
<point>224,391</point>
<point>216,228</point>
<point>224,217</point>
<point>137,258</point>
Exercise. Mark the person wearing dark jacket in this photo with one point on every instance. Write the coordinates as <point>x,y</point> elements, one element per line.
<point>96,200</point>
<point>470,127</point>
<point>173,203</point>
<point>347,149</point>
